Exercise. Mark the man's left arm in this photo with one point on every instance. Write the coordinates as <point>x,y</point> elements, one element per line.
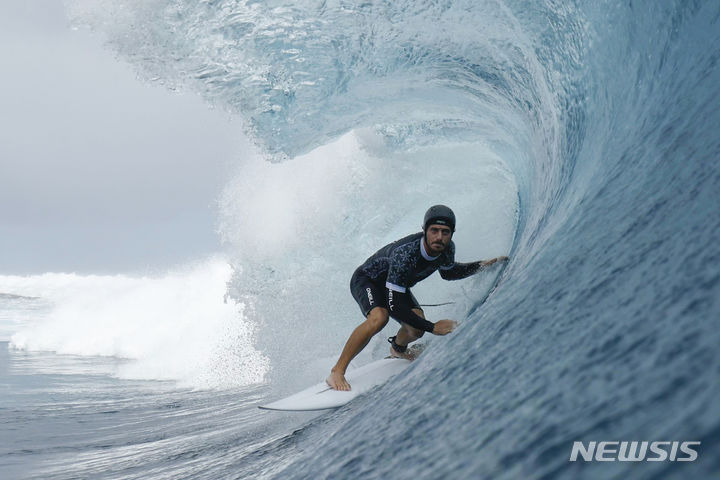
<point>464,270</point>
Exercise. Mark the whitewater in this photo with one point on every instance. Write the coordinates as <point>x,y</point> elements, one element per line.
<point>579,138</point>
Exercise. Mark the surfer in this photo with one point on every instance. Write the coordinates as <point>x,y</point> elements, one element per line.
<point>381,287</point>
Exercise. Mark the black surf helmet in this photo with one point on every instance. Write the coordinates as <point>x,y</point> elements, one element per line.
<point>440,215</point>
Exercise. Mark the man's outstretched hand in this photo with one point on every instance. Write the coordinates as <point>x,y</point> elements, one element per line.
<point>494,260</point>
<point>443,327</point>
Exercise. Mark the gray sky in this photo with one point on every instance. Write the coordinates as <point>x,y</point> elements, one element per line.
<point>98,171</point>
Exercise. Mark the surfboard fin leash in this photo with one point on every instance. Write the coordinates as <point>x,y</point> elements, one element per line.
<point>395,346</point>
<point>436,304</point>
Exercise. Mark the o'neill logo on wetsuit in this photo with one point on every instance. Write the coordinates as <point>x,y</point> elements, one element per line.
<point>370,296</point>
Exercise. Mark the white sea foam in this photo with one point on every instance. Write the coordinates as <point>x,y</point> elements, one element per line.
<point>296,230</point>
<point>175,326</point>
<point>299,228</point>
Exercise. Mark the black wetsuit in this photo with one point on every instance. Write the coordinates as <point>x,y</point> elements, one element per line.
<point>384,279</point>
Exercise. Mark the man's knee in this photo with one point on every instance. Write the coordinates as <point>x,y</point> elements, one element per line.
<point>413,332</point>
<point>377,319</point>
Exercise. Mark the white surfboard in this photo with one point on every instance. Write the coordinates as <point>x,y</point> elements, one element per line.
<point>322,397</point>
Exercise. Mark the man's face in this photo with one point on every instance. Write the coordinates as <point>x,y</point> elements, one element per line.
<point>437,238</point>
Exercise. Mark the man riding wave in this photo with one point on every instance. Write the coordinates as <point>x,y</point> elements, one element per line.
<point>381,287</point>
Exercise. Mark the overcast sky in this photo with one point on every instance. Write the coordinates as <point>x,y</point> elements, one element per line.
<point>99,172</point>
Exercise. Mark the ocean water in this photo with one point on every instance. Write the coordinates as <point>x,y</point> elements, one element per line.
<point>581,138</point>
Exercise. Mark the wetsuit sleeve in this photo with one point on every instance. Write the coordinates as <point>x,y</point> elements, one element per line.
<point>461,270</point>
<point>401,309</point>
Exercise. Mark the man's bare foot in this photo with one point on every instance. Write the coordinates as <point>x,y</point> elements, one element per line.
<point>337,381</point>
<point>409,354</point>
